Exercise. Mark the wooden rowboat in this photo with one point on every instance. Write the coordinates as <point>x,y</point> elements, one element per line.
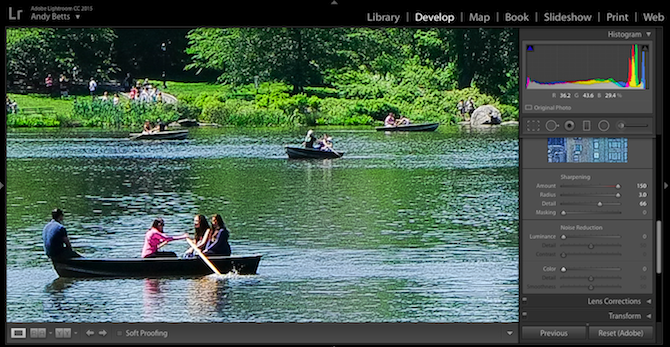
<point>411,127</point>
<point>309,153</point>
<point>154,267</point>
<point>188,122</point>
<point>161,135</point>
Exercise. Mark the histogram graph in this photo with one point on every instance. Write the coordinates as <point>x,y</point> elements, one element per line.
<point>574,66</point>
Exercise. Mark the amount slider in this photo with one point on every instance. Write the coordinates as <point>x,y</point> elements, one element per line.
<point>616,186</point>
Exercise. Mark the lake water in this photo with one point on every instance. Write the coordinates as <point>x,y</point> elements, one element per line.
<point>406,227</point>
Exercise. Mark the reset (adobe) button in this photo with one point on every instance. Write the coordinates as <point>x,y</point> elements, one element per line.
<point>621,332</point>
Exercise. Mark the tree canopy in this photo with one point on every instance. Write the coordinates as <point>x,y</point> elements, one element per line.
<point>457,58</point>
<point>32,53</point>
<point>360,62</point>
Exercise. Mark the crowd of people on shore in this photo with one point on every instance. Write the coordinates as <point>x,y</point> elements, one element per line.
<point>145,92</point>
<point>139,91</point>
<point>210,239</point>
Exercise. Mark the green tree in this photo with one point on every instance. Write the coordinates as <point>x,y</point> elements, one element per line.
<point>297,56</point>
<point>140,52</point>
<point>486,58</point>
<point>32,53</point>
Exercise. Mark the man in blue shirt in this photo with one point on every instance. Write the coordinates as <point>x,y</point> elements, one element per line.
<point>56,243</point>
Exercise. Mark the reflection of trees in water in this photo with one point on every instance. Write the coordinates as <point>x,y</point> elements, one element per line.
<point>208,297</point>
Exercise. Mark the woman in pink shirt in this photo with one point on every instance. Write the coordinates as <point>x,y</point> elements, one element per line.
<point>154,239</point>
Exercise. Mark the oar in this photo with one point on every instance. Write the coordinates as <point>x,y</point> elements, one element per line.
<point>202,255</point>
<point>336,152</point>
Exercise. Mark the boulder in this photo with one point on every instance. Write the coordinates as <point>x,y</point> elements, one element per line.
<point>485,115</point>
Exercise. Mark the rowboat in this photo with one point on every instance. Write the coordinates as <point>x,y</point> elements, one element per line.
<point>309,153</point>
<point>161,135</point>
<point>410,127</point>
<point>155,267</point>
<point>188,122</point>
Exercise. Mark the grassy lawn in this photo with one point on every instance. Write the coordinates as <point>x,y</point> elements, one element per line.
<point>60,106</point>
<point>191,89</point>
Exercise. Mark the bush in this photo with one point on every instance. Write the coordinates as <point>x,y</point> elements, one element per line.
<point>185,110</point>
<point>32,120</point>
<point>508,112</point>
<point>131,113</point>
<point>353,112</point>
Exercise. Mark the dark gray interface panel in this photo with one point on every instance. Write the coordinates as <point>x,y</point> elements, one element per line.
<point>588,225</point>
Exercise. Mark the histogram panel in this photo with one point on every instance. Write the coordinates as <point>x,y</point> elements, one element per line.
<point>601,67</point>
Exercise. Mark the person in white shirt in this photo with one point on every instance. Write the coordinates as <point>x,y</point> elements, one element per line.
<point>92,86</point>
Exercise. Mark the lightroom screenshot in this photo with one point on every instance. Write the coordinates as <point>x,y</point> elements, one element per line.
<point>333,172</point>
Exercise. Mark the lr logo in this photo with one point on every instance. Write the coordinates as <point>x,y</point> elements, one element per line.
<point>14,17</point>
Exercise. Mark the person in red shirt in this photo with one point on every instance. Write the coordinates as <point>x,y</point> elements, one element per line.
<point>155,238</point>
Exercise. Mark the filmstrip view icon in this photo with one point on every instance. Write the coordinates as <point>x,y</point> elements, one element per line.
<point>18,333</point>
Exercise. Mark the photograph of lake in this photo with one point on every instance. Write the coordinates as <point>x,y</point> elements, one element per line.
<point>404,227</point>
<point>363,174</point>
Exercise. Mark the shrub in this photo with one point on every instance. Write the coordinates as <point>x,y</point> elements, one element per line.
<point>32,120</point>
<point>132,113</point>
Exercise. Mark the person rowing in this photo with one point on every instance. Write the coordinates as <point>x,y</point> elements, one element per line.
<point>202,232</point>
<point>146,129</point>
<point>402,121</point>
<point>309,139</point>
<point>155,238</point>
<point>325,143</point>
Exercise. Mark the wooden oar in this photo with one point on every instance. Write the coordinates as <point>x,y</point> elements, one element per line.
<point>202,255</point>
<point>336,152</point>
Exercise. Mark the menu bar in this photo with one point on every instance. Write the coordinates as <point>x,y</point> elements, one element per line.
<point>315,13</point>
<point>513,18</point>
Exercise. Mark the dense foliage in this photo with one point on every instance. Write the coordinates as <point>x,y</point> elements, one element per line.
<point>285,76</point>
<point>132,113</point>
<point>79,53</point>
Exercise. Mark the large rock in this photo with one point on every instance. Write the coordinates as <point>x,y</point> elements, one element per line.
<point>484,115</point>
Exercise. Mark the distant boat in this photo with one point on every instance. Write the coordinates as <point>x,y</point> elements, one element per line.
<point>309,153</point>
<point>161,135</point>
<point>155,267</point>
<point>188,122</point>
<point>411,127</point>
